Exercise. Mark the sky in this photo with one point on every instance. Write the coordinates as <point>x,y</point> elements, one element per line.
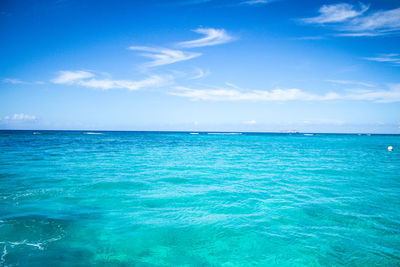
<point>200,65</point>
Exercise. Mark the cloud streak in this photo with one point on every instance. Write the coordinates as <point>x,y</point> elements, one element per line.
<point>163,56</point>
<point>336,13</point>
<point>200,74</point>
<point>20,117</point>
<point>381,96</point>
<point>211,37</point>
<point>250,122</point>
<point>228,94</point>
<point>70,77</point>
<point>281,95</point>
<point>18,81</point>
<point>255,2</point>
<point>387,58</point>
<point>379,23</point>
<point>351,83</point>
<point>354,22</point>
<point>88,79</point>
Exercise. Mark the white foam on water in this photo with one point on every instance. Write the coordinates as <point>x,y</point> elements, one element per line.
<point>2,259</point>
<point>193,133</point>
<point>37,245</point>
<point>226,133</point>
<point>92,133</point>
<point>308,134</point>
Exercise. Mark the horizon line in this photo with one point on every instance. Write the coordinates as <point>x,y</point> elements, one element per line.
<point>188,131</point>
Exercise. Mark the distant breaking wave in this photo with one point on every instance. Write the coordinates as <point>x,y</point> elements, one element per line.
<point>92,133</point>
<point>226,133</point>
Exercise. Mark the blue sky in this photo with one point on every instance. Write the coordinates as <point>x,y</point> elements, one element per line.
<point>256,65</point>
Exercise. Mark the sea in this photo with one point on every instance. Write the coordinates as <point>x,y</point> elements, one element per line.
<point>89,198</point>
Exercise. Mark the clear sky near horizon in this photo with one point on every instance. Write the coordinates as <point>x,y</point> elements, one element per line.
<point>200,65</point>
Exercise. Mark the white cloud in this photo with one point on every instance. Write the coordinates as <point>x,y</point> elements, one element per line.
<point>380,22</point>
<point>250,122</point>
<point>200,74</point>
<point>381,96</point>
<point>70,77</point>
<point>353,22</point>
<point>239,2</point>
<point>20,117</point>
<point>234,86</point>
<point>13,81</point>
<point>309,38</point>
<point>227,94</point>
<point>212,37</point>
<point>163,56</point>
<point>351,83</point>
<point>18,81</point>
<point>389,58</point>
<point>336,13</point>
<point>87,79</point>
<point>255,2</point>
<point>359,34</point>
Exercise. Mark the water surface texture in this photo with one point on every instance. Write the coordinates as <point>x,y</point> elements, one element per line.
<point>178,199</point>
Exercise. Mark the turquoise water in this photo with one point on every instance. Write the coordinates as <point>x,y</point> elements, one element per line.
<point>176,199</point>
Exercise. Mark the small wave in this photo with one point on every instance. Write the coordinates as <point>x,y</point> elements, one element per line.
<point>92,133</point>
<point>36,133</point>
<point>193,133</point>
<point>37,245</point>
<point>308,134</point>
<point>226,133</point>
<point>2,259</point>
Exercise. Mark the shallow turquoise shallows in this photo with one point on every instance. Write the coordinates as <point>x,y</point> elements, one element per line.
<point>180,199</point>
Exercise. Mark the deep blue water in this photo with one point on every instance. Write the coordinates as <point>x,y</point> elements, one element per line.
<point>176,199</point>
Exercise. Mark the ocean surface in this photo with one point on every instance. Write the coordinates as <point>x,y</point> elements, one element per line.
<point>181,199</point>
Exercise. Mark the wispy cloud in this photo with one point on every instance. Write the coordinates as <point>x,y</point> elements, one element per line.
<point>388,58</point>
<point>199,74</point>
<point>309,38</point>
<point>163,56</point>
<point>18,81</point>
<point>70,77</point>
<point>255,2</point>
<point>250,122</point>
<point>193,2</point>
<point>359,34</point>
<point>227,2</point>
<point>88,79</point>
<point>212,37</point>
<point>336,13</point>
<point>353,21</point>
<point>227,94</point>
<point>351,83</point>
<point>379,23</point>
<point>380,96</point>
<point>13,81</point>
<point>20,117</point>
